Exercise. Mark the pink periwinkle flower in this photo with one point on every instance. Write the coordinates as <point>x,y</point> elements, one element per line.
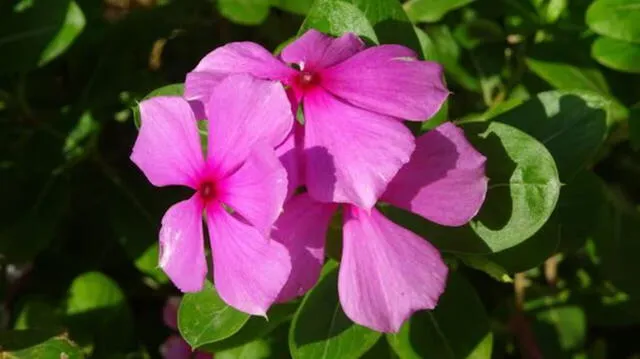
<point>175,347</point>
<point>387,272</point>
<point>354,100</point>
<point>240,186</point>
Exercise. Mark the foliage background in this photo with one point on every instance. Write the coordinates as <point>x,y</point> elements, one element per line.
<point>548,89</point>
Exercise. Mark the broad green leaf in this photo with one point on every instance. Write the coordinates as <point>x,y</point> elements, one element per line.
<point>203,318</point>
<point>321,330</point>
<point>255,328</point>
<point>572,70</point>
<point>258,349</point>
<point>300,7</point>
<point>572,223</point>
<point>617,54</point>
<point>457,328</point>
<point>618,19</point>
<point>379,21</point>
<point>523,191</point>
<point>36,34</point>
<point>32,344</point>
<point>571,125</point>
<point>245,12</point>
<point>566,70</point>
<point>168,90</point>
<point>95,305</point>
<point>38,314</point>
<point>432,10</point>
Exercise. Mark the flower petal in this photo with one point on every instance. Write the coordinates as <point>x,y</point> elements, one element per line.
<point>168,148</point>
<point>291,156</point>
<point>351,154</point>
<point>182,245</point>
<point>444,181</point>
<point>243,110</point>
<point>244,58</point>
<point>199,84</point>
<point>248,270</point>
<point>302,228</point>
<point>386,271</point>
<point>388,79</point>
<point>315,50</point>
<point>257,190</point>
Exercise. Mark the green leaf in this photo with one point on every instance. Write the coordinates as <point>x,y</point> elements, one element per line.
<point>321,330</point>
<point>95,306</point>
<point>479,31</point>
<point>245,12</point>
<point>204,318</point>
<point>616,54</point>
<point>258,349</point>
<point>379,21</point>
<point>571,125</point>
<point>618,19</point>
<point>36,34</point>
<point>573,221</point>
<point>255,328</point>
<point>523,191</point>
<point>432,10</point>
<point>300,7</point>
<point>457,328</point>
<point>38,314</point>
<point>560,329</point>
<point>32,344</point>
<point>482,263</point>
<point>168,90</point>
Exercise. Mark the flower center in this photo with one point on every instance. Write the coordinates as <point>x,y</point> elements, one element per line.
<point>307,79</point>
<point>207,190</point>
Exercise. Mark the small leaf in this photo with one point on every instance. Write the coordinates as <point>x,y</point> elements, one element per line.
<point>617,54</point>
<point>618,19</point>
<point>39,33</point>
<point>457,328</point>
<point>95,306</point>
<point>432,10</point>
<point>321,330</point>
<point>481,263</point>
<point>379,21</point>
<point>245,12</point>
<point>33,344</point>
<point>204,318</point>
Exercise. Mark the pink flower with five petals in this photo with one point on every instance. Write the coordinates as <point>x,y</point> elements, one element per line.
<point>240,186</point>
<point>387,272</point>
<point>354,100</point>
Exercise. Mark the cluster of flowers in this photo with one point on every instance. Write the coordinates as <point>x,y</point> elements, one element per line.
<point>268,185</point>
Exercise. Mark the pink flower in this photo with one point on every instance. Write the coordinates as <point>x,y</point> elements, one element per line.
<point>175,347</point>
<point>386,271</point>
<point>247,118</point>
<point>354,100</point>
